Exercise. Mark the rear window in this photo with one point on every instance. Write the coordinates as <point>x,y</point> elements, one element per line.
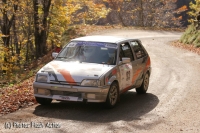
<point>138,49</point>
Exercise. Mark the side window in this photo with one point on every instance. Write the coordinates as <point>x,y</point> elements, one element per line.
<point>138,49</point>
<point>125,51</point>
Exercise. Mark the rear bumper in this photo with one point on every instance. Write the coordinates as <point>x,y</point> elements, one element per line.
<point>70,93</point>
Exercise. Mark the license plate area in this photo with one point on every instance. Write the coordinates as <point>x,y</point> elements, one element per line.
<point>67,98</point>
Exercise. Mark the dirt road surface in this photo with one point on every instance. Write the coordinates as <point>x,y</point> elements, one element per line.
<point>170,106</point>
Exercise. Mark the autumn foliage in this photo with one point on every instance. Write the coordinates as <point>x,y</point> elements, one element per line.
<point>30,29</point>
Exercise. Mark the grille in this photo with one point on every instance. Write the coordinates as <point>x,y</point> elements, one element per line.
<point>66,93</point>
<point>65,83</point>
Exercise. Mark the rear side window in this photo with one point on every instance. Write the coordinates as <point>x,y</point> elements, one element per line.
<point>138,49</point>
<point>125,51</point>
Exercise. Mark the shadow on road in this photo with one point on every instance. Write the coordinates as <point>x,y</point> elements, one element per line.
<point>131,107</point>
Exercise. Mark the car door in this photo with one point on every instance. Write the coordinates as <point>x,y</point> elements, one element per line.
<point>127,70</point>
<point>140,59</point>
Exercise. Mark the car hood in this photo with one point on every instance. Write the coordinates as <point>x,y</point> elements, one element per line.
<point>60,71</point>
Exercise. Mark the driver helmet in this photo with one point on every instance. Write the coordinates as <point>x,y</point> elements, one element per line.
<point>111,52</point>
<point>89,51</point>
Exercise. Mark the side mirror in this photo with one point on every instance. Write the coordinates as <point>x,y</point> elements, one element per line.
<point>126,60</point>
<point>54,54</point>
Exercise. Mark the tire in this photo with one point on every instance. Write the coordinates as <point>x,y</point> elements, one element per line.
<point>145,84</point>
<point>43,101</point>
<point>113,95</point>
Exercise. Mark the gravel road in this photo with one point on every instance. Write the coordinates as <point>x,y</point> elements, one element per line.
<point>171,104</point>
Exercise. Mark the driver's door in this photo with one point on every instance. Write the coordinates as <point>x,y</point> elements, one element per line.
<point>127,69</point>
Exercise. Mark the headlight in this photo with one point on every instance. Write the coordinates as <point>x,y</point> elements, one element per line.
<point>90,82</point>
<point>41,78</point>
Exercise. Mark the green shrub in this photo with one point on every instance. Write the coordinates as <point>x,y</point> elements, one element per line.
<point>191,36</point>
<point>197,40</point>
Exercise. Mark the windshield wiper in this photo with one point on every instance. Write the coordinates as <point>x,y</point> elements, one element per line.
<point>61,57</point>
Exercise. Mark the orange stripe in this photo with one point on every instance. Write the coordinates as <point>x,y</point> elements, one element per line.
<point>125,89</point>
<point>136,75</point>
<point>66,74</point>
<point>147,64</point>
<point>55,65</point>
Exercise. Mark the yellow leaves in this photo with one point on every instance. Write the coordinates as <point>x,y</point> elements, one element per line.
<point>195,10</point>
<point>51,34</point>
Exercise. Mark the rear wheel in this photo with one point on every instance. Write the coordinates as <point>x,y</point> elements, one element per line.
<point>145,84</point>
<point>43,101</point>
<point>113,95</point>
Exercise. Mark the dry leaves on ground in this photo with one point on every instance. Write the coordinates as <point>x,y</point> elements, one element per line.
<point>16,97</point>
<point>189,47</point>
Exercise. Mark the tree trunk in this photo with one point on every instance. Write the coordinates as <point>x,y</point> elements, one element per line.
<point>15,31</point>
<point>46,7</point>
<point>6,26</point>
<point>198,21</point>
<point>141,14</point>
<point>36,32</point>
<point>151,23</point>
<point>41,34</point>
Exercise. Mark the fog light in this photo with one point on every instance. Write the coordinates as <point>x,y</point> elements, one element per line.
<point>43,92</point>
<point>92,96</point>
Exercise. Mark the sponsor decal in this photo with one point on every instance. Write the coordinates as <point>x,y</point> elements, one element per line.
<point>72,44</point>
<point>127,66</point>
<point>97,44</point>
<point>114,46</point>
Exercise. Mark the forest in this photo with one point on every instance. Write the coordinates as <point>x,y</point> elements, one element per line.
<point>33,28</point>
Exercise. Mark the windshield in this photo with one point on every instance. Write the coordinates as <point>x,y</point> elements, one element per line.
<point>91,52</point>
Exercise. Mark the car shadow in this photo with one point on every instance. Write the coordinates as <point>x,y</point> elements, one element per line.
<point>131,107</point>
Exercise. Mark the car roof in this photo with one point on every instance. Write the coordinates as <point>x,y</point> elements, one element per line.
<point>98,38</point>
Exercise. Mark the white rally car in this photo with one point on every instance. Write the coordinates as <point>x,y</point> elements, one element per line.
<point>94,69</point>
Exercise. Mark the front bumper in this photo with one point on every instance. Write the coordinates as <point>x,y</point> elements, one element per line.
<point>70,92</point>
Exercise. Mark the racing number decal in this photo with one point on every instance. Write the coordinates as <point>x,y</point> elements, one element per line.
<point>126,74</point>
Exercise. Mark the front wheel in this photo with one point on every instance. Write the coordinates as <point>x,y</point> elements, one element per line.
<point>145,84</point>
<point>43,101</point>
<point>113,95</point>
